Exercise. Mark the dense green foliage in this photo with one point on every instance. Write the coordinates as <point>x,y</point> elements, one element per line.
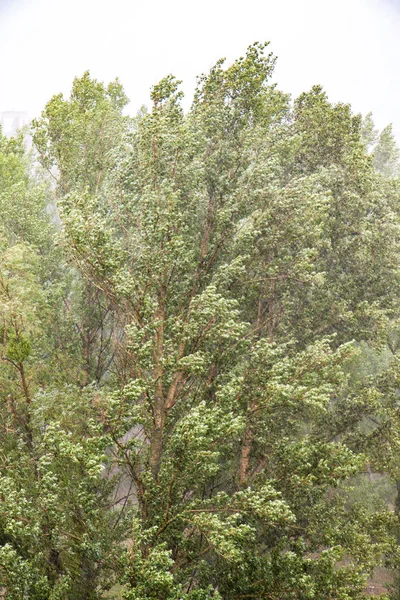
<point>199,319</point>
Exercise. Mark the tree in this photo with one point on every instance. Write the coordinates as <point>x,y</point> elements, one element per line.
<point>242,247</point>
<point>383,147</point>
<point>55,527</point>
<point>78,135</point>
<point>76,140</point>
<point>387,154</point>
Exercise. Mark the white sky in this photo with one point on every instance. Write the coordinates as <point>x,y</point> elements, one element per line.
<point>351,47</point>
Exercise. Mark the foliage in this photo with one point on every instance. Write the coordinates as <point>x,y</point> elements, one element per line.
<point>209,324</point>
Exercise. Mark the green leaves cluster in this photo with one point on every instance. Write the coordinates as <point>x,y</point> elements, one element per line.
<point>187,371</point>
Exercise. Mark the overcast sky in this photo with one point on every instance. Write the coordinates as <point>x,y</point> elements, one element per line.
<point>351,47</point>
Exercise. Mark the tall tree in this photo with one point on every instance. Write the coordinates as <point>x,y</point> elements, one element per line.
<point>55,528</point>
<point>76,140</point>
<point>229,242</point>
<point>387,154</point>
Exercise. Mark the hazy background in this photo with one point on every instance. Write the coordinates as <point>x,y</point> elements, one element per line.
<point>351,47</point>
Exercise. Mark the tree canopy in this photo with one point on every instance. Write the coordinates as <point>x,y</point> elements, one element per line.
<point>199,316</point>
